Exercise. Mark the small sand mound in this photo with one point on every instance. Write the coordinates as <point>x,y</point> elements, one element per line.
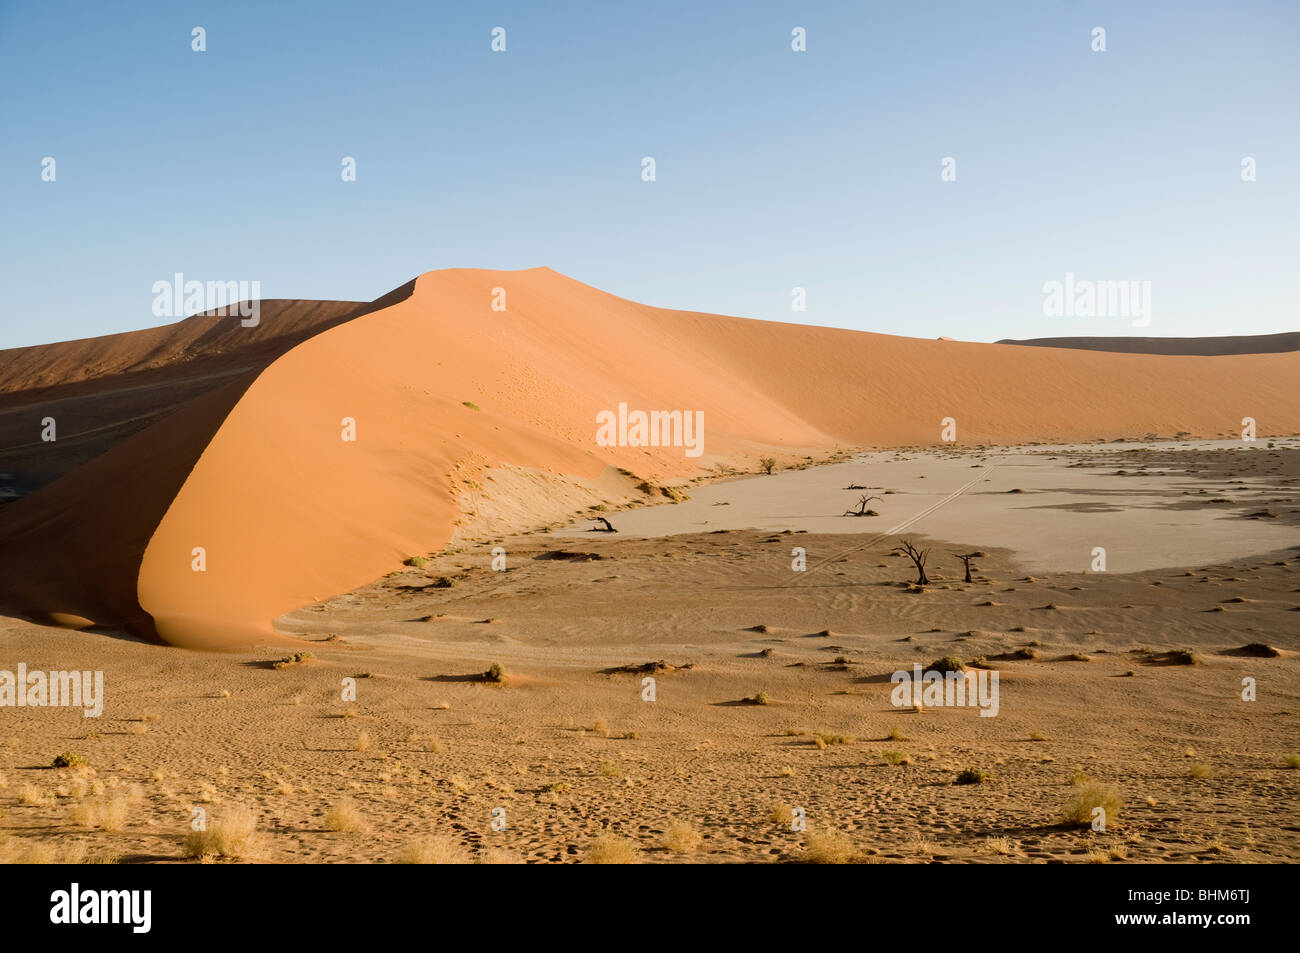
<point>569,555</point>
<point>1257,650</point>
<point>1175,657</point>
<point>645,668</point>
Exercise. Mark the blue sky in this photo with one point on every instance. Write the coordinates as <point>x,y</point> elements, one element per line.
<point>775,169</point>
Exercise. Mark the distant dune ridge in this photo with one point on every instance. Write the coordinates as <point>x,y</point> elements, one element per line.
<point>1204,347</point>
<point>247,461</point>
<point>101,390</point>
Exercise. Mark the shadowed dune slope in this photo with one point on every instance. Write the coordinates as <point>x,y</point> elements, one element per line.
<point>71,550</point>
<point>101,390</point>
<point>286,511</point>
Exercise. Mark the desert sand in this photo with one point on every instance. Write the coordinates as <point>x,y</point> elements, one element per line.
<point>431,650</point>
<point>585,769</point>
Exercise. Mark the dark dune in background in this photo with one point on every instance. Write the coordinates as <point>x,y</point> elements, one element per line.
<point>102,390</point>
<point>1184,347</point>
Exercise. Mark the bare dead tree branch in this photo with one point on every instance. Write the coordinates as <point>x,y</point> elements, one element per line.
<point>965,560</point>
<point>862,507</point>
<point>918,557</point>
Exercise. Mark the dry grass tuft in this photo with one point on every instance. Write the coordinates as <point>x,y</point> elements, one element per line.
<point>999,845</point>
<point>1087,797</point>
<point>499,855</point>
<point>780,813</point>
<point>680,837</point>
<point>823,738</point>
<point>19,850</point>
<point>344,818</point>
<point>434,849</point>
<point>233,835</point>
<point>610,848</point>
<point>828,846</point>
<point>106,813</point>
<point>32,796</point>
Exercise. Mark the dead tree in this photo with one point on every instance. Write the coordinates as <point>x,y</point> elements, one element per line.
<point>609,528</point>
<point>862,507</point>
<point>965,561</point>
<point>918,557</point>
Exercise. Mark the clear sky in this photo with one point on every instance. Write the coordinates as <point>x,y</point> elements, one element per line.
<point>774,168</point>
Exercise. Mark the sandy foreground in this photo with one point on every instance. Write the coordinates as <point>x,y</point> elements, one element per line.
<point>568,757</point>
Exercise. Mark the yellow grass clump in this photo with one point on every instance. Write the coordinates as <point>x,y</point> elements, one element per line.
<point>106,813</point>
<point>32,796</point>
<point>1087,797</point>
<point>433,849</point>
<point>499,855</point>
<point>829,846</point>
<point>344,818</point>
<point>681,838</point>
<point>233,835</point>
<point>780,813</point>
<point>610,848</point>
<point>20,850</point>
<point>998,845</point>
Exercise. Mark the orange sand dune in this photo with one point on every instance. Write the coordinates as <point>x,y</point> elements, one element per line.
<point>286,511</point>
